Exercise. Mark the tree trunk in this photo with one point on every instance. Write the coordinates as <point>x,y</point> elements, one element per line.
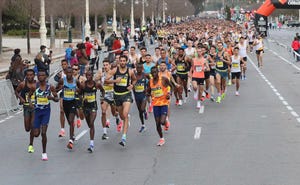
<point>52,32</point>
<point>1,30</point>
<point>29,29</point>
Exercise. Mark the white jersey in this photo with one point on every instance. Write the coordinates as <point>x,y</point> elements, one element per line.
<point>190,52</point>
<point>243,49</point>
<point>259,45</point>
<point>235,64</point>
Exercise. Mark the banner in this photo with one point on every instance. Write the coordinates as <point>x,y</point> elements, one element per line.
<point>286,4</point>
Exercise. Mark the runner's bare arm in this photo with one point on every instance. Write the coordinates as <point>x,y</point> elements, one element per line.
<point>18,91</point>
<point>54,96</point>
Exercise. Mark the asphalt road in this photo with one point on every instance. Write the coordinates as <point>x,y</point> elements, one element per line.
<point>252,139</point>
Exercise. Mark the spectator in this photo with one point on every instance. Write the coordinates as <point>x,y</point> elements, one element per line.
<point>41,64</point>
<point>82,57</point>
<point>16,72</point>
<point>68,53</point>
<point>296,46</point>
<point>102,33</point>
<point>74,59</point>
<point>88,47</point>
<point>116,47</point>
<point>16,55</point>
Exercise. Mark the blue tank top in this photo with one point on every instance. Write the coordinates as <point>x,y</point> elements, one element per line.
<point>69,90</point>
<point>147,69</point>
<point>41,97</point>
<point>169,66</point>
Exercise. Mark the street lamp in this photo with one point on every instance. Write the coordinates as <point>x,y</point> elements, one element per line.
<point>132,20</point>
<point>43,29</point>
<point>87,20</point>
<point>114,23</point>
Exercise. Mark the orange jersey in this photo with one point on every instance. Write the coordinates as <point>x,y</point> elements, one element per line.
<point>159,93</point>
<point>166,74</point>
<point>198,68</point>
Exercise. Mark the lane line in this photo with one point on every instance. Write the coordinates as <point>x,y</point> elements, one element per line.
<point>294,114</point>
<point>81,134</point>
<point>290,108</point>
<point>197,133</point>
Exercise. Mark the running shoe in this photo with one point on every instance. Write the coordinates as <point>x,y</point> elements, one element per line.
<point>218,99</point>
<point>161,142</point>
<point>212,98</point>
<point>91,149</point>
<point>44,157</point>
<point>223,96</point>
<point>142,129</point>
<point>202,98</point>
<point>237,93</point>
<point>30,149</point>
<point>78,123</point>
<point>245,77</point>
<point>229,83</point>
<point>146,115</point>
<point>104,137</point>
<point>122,142</point>
<point>70,145</point>
<point>61,133</point>
<point>176,102</point>
<point>167,125</point>
<point>119,126</point>
<point>107,124</point>
<point>180,102</point>
<point>198,104</point>
<point>189,89</point>
<point>207,95</point>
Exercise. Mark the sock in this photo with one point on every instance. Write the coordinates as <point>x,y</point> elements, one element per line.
<point>124,136</point>
<point>92,143</point>
<point>105,130</point>
<point>62,129</point>
<point>107,120</point>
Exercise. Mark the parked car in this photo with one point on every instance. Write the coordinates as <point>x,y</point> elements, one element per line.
<point>293,23</point>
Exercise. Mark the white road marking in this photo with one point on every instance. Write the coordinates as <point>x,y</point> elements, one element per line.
<point>201,110</point>
<point>81,134</point>
<point>285,102</point>
<point>197,133</point>
<point>2,121</point>
<point>294,114</point>
<point>276,91</point>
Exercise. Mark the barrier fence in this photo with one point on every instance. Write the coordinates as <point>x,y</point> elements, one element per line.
<point>8,100</point>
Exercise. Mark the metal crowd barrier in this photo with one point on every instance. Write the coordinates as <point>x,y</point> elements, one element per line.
<point>8,100</point>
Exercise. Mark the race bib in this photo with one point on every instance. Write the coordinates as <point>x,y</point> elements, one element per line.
<point>158,93</point>
<point>90,97</point>
<point>180,68</point>
<point>198,68</point>
<point>42,101</point>
<point>123,82</point>
<point>69,93</point>
<point>139,88</point>
<point>220,64</point>
<point>108,88</point>
<point>235,65</point>
<point>32,98</point>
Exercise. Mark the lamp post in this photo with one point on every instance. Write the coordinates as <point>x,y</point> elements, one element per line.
<point>87,19</point>
<point>43,29</point>
<point>132,20</point>
<point>143,13</point>
<point>164,13</point>
<point>114,23</point>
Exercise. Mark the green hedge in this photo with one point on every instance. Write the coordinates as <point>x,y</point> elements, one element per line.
<point>16,32</point>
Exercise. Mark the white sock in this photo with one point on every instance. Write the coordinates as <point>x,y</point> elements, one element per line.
<point>92,143</point>
<point>105,130</point>
<point>62,129</point>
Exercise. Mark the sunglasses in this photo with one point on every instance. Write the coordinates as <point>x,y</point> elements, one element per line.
<point>75,69</point>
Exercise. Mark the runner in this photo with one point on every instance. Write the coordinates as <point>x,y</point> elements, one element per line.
<point>42,93</point>
<point>68,85</point>
<point>22,92</point>
<point>222,62</point>
<point>159,91</point>
<point>243,47</point>
<point>124,81</point>
<point>199,66</point>
<point>140,94</point>
<point>212,71</point>
<point>89,90</point>
<point>259,49</point>
<point>237,62</point>
<point>183,64</point>
<point>108,100</point>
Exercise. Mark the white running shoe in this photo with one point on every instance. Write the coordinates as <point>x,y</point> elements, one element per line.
<point>198,104</point>
<point>44,157</point>
<point>237,93</point>
<point>180,102</point>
